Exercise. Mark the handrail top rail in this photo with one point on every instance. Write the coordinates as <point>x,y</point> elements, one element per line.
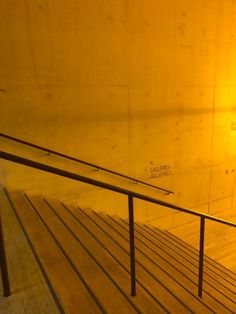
<point>50,151</point>
<point>73,176</point>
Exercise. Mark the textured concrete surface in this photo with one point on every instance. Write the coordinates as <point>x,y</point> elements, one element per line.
<point>142,87</point>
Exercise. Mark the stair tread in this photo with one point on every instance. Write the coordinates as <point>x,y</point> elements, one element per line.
<point>82,261</point>
<point>211,262</point>
<point>86,258</point>
<point>144,275</point>
<point>192,261</point>
<point>72,292</point>
<point>29,290</point>
<point>179,263</point>
<point>122,277</point>
<point>190,251</point>
<point>209,299</point>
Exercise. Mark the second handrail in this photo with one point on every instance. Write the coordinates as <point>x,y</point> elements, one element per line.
<point>50,151</point>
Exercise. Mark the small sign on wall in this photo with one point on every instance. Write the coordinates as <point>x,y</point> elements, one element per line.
<point>160,171</point>
<point>233,125</point>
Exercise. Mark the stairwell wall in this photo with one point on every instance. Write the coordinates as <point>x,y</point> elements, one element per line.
<point>142,87</point>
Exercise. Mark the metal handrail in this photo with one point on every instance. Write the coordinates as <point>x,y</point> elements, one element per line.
<point>3,264</point>
<point>50,151</point>
<point>131,196</point>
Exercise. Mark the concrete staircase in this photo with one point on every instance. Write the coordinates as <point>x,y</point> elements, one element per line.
<point>84,257</point>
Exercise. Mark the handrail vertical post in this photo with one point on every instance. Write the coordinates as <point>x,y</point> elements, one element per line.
<point>132,245</point>
<point>201,256</point>
<point>3,264</point>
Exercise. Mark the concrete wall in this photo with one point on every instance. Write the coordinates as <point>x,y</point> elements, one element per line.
<point>143,87</point>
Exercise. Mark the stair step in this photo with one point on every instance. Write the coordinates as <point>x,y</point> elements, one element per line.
<point>219,241</point>
<point>103,255</point>
<point>73,294</point>
<point>213,269</point>
<point>221,291</point>
<point>148,259</point>
<point>227,272</point>
<point>29,291</point>
<point>148,274</point>
<point>85,259</point>
<point>93,273</point>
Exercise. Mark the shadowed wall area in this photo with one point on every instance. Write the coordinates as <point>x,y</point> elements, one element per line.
<point>147,88</point>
